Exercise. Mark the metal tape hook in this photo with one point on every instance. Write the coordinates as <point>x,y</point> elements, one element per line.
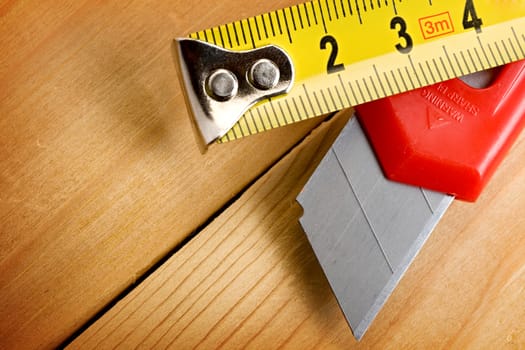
<point>220,85</point>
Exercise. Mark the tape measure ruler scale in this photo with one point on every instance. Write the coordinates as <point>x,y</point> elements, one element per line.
<point>345,53</point>
<point>364,229</point>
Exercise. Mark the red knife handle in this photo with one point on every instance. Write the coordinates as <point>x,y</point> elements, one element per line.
<point>448,137</point>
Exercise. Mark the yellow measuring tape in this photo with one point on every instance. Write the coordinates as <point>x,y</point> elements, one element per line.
<point>347,52</point>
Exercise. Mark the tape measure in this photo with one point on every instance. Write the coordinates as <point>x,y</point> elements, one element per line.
<point>345,53</point>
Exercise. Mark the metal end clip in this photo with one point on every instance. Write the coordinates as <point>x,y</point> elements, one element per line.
<point>220,85</point>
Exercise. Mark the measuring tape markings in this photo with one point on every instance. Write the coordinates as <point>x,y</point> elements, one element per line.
<point>344,56</point>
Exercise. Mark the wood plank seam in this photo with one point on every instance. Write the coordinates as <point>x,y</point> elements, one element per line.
<point>140,279</point>
<point>286,202</point>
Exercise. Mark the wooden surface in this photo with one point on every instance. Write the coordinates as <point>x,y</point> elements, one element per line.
<point>100,179</point>
<point>242,281</point>
<point>100,175</point>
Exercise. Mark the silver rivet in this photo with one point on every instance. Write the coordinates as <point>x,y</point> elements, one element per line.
<point>222,85</point>
<point>264,74</point>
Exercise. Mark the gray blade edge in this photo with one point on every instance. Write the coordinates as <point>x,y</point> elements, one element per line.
<point>410,256</point>
<point>364,229</point>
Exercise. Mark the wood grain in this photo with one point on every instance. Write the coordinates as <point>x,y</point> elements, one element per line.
<point>250,280</point>
<point>100,175</point>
